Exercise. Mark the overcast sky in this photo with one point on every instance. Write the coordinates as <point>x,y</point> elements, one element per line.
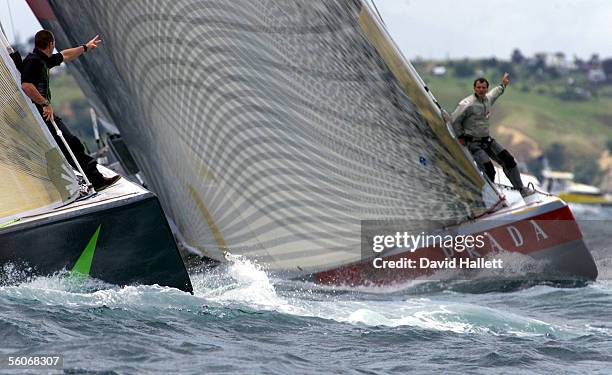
<point>483,28</point>
<point>456,28</point>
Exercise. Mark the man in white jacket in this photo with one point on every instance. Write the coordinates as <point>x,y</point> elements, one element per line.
<point>471,124</point>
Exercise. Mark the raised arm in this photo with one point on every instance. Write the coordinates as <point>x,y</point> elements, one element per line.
<point>497,91</point>
<point>72,53</point>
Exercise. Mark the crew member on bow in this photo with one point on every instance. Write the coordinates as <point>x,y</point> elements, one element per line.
<point>471,125</point>
<point>35,84</point>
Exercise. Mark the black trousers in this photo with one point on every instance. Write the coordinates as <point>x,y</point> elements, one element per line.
<point>88,163</point>
<point>485,149</point>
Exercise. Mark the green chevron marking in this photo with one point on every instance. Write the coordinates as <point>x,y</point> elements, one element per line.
<point>83,264</point>
<point>9,223</point>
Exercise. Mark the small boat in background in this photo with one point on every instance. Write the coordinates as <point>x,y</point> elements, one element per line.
<point>562,184</point>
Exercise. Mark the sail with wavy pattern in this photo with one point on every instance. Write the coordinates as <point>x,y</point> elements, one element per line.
<point>34,176</point>
<point>270,127</point>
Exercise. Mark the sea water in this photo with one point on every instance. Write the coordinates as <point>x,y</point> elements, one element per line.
<point>241,320</point>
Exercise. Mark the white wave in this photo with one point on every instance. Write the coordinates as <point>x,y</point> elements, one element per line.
<point>244,284</point>
<point>65,289</point>
<point>238,281</point>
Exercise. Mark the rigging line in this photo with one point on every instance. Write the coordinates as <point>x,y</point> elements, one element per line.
<point>8,4</point>
<point>3,32</point>
<point>378,13</point>
<point>2,29</point>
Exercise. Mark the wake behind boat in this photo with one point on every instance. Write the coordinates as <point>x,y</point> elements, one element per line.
<point>275,129</point>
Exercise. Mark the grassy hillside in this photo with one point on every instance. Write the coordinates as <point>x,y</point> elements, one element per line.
<point>584,127</point>
<point>531,118</point>
<point>69,102</point>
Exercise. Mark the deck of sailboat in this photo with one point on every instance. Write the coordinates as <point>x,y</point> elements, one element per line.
<point>121,233</point>
<point>529,206</point>
<point>121,193</point>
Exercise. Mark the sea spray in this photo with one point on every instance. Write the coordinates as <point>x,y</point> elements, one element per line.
<point>244,284</point>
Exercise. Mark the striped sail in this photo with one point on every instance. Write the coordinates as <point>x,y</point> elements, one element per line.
<point>34,175</point>
<point>270,127</point>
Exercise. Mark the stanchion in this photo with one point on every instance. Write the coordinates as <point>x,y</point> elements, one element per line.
<point>90,188</point>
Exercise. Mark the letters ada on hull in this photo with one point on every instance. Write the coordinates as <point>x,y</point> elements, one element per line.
<point>553,238</point>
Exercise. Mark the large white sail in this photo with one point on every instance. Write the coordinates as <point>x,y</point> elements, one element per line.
<point>34,175</point>
<point>271,127</point>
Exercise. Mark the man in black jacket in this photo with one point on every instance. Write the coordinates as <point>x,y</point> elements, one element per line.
<point>35,83</point>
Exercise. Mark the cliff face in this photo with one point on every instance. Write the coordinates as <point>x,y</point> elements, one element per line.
<point>520,144</point>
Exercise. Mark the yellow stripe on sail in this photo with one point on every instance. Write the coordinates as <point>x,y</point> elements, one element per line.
<point>216,232</point>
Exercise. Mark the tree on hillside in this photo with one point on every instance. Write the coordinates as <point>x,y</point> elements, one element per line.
<point>553,72</point>
<point>464,69</point>
<point>537,65</point>
<point>506,66</point>
<point>586,170</point>
<point>594,61</point>
<point>556,156</point>
<point>517,57</point>
<point>607,68</point>
<point>489,63</point>
<point>580,64</point>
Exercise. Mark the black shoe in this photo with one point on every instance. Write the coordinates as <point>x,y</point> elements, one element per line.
<point>104,182</point>
<point>527,191</point>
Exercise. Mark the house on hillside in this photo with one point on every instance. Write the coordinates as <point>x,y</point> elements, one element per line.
<point>559,62</point>
<point>596,75</point>
<point>438,70</point>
